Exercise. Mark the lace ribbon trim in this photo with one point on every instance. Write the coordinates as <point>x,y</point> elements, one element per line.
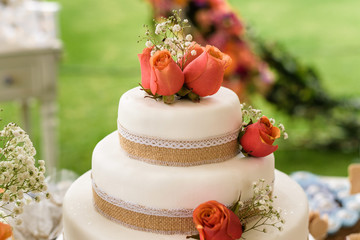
<point>181,213</point>
<point>134,216</point>
<point>192,232</point>
<point>178,144</point>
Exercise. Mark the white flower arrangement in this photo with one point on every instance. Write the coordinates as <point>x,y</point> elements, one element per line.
<point>21,181</point>
<point>170,35</point>
<point>258,212</point>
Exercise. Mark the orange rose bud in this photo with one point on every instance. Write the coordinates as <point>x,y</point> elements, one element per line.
<point>5,231</point>
<point>166,76</point>
<point>214,221</point>
<point>144,59</point>
<point>259,137</point>
<point>204,74</point>
<point>188,57</point>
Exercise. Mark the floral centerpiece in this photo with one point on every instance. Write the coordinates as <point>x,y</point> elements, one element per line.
<point>173,66</point>
<point>21,181</point>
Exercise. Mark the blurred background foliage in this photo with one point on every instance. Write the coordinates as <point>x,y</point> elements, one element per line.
<point>100,63</point>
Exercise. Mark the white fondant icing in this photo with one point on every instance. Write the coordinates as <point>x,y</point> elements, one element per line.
<point>167,187</point>
<point>184,120</point>
<point>81,221</point>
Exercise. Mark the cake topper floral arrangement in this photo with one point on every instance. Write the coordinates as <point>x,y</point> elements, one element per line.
<point>173,66</point>
<point>21,181</point>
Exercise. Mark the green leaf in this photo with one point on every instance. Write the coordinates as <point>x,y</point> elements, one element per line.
<point>169,99</point>
<point>183,91</point>
<point>193,97</point>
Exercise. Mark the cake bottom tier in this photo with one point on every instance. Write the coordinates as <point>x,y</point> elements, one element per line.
<point>83,222</point>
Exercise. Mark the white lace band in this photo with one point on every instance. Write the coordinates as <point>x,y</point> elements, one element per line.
<point>178,144</point>
<point>164,221</point>
<point>179,153</point>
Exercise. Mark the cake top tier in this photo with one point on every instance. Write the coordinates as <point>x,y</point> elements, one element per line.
<point>216,115</point>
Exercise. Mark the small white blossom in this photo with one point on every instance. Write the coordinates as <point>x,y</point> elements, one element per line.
<point>272,121</point>
<point>159,29</point>
<point>148,44</point>
<point>193,52</point>
<point>286,136</point>
<point>189,37</point>
<point>186,21</point>
<point>176,28</point>
<point>37,199</point>
<point>168,41</point>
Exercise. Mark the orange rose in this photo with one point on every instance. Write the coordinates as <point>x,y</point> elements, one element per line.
<point>5,231</point>
<point>166,76</point>
<point>204,74</point>
<point>259,137</point>
<point>144,59</point>
<point>214,221</point>
<point>189,57</point>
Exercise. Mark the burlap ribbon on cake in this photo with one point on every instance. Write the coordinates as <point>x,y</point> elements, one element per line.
<point>142,218</point>
<point>179,153</point>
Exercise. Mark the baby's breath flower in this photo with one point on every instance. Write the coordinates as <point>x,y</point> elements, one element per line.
<point>176,28</point>
<point>37,199</point>
<point>18,173</point>
<point>261,204</point>
<point>186,21</point>
<point>148,44</point>
<point>47,195</point>
<point>189,37</point>
<point>193,52</point>
<point>18,221</point>
<point>286,136</point>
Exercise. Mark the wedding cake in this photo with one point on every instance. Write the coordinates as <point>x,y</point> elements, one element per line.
<point>175,170</point>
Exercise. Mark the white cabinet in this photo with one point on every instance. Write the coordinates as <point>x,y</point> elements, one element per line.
<point>32,73</point>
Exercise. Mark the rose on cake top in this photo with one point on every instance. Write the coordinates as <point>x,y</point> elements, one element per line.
<point>173,66</point>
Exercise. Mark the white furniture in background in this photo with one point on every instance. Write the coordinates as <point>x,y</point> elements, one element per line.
<point>27,73</point>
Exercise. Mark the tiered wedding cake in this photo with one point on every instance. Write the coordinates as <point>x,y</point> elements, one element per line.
<point>175,170</point>
<point>127,190</point>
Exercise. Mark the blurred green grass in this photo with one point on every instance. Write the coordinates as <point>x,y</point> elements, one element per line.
<point>100,63</point>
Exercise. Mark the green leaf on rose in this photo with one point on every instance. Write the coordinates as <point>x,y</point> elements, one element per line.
<point>183,91</point>
<point>169,99</point>
<point>193,97</point>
